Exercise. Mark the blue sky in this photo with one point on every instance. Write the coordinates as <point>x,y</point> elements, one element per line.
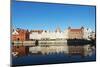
<point>33,15</point>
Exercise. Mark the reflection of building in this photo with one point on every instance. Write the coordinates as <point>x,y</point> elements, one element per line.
<point>48,35</point>
<point>20,50</point>
<point>20,34</point>
<point>76,50</point>
<point>83,50</point>
<point>49,49</point>
<point>75,33</point>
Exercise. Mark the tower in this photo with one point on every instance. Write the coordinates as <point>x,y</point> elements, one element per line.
<point>58,30</point>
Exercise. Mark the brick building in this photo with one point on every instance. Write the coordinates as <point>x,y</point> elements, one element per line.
<point>75,33</point>
<point>20,35</point>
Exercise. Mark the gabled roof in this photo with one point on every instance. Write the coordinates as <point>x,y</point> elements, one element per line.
<point>15,32</point>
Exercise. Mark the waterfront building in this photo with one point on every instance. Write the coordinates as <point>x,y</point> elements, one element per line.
<point>65,33</point>
<point>82,33</point>
<point>69,33</point>
<point>58,30</point>
<point>87,33</point>
<point>93,35</point>
<point>75,33</point>
<point>57,34</point>
<point>35,34</point>
<point>20,35</point>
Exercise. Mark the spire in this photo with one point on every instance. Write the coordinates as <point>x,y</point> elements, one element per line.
<point>69,27</point>
<point>82,27</point>
<point>13,28</point>
<point>58,29</point>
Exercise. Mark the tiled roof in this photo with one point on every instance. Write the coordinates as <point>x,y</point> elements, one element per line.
<point>75,30</point>
<point>38,31</point>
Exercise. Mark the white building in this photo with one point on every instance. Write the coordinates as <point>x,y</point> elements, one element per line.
<point>35,35</point>
<point>87,33</point>
<point>58,34</point>
<point>49,35</point>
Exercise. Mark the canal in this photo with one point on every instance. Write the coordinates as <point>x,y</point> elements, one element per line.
<point>74,53</point>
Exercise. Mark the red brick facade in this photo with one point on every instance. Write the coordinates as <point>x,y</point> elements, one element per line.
<point>21,36</point>
<point>75,33</point>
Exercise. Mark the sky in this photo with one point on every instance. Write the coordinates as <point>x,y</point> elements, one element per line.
<point>46,16</point>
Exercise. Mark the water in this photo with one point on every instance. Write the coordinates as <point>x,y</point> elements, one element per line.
<point>48,59</point>
<point>52,59</point>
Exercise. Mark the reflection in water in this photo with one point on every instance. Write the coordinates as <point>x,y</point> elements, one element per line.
<point>64,48</point>
<point>56,53</point>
